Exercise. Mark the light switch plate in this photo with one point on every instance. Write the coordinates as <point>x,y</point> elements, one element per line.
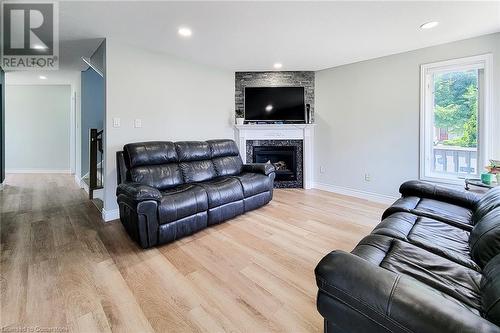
<point>116,122</point>
<point>138,123</point>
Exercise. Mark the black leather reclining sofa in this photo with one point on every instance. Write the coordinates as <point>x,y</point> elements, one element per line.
<point>168,190</point>
<point>431,265</point>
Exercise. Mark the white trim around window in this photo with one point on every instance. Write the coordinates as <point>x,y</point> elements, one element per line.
<point>485,124</point>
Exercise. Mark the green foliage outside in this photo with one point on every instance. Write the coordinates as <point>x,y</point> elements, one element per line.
<point>455,100</point>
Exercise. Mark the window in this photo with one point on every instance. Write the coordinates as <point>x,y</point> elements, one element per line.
<point>454,118</point>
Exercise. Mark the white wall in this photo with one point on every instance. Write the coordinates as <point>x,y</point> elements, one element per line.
<point>175,99</point>
<point>367,116</point>
<point>37,131</point>
<point>59,77</point>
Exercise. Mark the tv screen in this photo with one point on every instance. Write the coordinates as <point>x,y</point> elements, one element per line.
<point>274,104</point>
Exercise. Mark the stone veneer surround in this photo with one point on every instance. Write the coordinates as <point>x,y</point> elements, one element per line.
<point>278,143</point>
<point>273,79</point>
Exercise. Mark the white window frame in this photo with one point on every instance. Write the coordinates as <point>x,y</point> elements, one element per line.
<point>485,140</point>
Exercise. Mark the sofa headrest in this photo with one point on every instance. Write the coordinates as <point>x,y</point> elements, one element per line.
<point>484,240</point>
<point>149,153</point>
<point>223,148</point>
<point>490,290</point>
<point>193,151</point>
<point>489,201</point>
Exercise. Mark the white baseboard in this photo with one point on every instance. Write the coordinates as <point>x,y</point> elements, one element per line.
<point>37,171</point>
<point>84,186</point>
<point>81,184</point>
<point>107,215</point>
<point>371,196</point>
<point>110,215</point>
<point>77,180</point>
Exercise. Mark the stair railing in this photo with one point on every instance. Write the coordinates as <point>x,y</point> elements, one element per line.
<point>96,157</point>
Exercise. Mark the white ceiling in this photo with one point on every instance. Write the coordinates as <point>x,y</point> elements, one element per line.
<point>70,53</point>
<point>301,35</point>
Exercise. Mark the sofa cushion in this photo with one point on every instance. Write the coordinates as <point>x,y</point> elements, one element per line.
<point>488,202</point>
<point>403,204</point>
<point>485,237</point>
<point>197,171</point>
<point>228,165</point>
<point>448,277</point>
<point>439,210</point>
<point>195,161</point>
<point>433,235</point>
<point>222,148</point>
<point>254,183</point>
<point>180,202</point>
<point>193,151</point>
<point>162,176</point>
<point>445,210</point>
<point>490,290</point>
<point>430,269</point>
<point>149,153</point>
<point>222,190</point>
<point>359,296</point>
<point>226,157</point>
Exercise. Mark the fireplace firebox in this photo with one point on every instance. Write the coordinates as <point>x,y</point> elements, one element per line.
<point>284,159</point>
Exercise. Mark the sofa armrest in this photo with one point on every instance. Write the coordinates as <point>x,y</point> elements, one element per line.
<point>438,192</point>
<point>375,299</point>
<point>138,192</point>
<point>263,168</point>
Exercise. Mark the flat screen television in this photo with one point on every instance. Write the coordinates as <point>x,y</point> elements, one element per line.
<point>275,104</point>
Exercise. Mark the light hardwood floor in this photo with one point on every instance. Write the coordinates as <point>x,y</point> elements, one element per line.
<point>62,268</point>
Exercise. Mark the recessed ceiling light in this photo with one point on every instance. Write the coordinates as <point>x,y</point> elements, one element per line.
<point>429,25</point>
<point>185,32</point>
<point>42,77</point>
<point>278,65</point>
<point>39,47</point>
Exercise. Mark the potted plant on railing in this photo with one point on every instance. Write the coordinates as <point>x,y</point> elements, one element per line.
<point>494,169</point>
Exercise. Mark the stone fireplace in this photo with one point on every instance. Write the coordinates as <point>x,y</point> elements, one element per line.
<point>285,155</point>
<point>288,146</point>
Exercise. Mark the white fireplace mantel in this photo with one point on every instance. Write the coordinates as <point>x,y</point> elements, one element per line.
<point>304,132</point>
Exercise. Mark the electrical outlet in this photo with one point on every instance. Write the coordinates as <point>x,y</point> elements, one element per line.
<point>368,177</point>
<point>116,122</point>
<point>321,169</point>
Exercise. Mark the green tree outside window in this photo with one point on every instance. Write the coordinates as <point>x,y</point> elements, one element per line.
<point>455,106</point>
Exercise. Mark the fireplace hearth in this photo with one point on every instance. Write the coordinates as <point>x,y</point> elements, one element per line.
<point>284,159</point>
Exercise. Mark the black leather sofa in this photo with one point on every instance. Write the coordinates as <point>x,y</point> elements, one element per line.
<point>431,265</point>
<point>167,190</point>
